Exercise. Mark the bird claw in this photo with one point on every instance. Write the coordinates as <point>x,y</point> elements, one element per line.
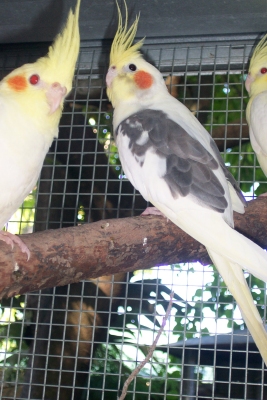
<point>11,239</point>
<point>153,211</point>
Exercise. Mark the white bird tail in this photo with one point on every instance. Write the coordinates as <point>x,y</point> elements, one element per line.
<point>233,276</point>
<point>210,229</point>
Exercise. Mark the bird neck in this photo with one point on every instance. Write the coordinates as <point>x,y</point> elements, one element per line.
<point>31,120</point>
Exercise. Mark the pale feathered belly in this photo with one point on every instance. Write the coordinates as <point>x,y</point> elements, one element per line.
<point>19,172</point>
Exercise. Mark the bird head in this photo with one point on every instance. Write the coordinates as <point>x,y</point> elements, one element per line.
<point>129,75</point>
<point>40,88</point>
<point>256,81</point>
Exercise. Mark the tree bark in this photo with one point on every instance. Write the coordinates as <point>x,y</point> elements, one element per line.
<point>68,255</point>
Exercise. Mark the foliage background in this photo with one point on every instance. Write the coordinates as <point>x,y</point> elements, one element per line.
<point>219,103</point>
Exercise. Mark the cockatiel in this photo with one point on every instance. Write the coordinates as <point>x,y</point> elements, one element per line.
<point>256,112</point>
<point>174,163</point>
<point>31,103</point>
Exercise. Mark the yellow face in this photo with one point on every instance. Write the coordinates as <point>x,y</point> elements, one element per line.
<point>256,81</point>
<point>132,79</point>
<point>28,88</point>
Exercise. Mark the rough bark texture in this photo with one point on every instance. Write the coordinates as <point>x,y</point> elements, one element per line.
<point>106,247</point>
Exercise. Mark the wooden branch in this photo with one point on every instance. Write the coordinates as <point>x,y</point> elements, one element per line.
<point>68,255</point>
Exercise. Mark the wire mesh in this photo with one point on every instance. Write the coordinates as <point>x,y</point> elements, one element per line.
<point>82,341</point>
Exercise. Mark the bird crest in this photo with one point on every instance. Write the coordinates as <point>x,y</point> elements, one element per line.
<point>122,48</point>
<point>63,53</point>
<point>260,52</point>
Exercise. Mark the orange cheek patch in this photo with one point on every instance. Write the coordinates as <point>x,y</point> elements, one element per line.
<point>143,79</point>
<point>17,82</point>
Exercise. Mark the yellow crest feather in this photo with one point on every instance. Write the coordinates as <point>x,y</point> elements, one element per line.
<point>63,53</point>
<point>122,48</point>
<point>260,52</point>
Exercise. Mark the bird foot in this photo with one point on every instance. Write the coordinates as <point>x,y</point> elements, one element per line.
<point>152,211</point>
<point>11,239</point>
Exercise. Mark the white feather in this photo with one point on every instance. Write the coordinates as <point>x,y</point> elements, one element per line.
<point>233,277</point>
<point>22,150</point>
<point>257,111</point>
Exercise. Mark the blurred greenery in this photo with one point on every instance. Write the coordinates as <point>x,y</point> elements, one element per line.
<point>225,104</point>
<point>101,124</point>
<point>154,381</point>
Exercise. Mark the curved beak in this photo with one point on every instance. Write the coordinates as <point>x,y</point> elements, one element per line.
<point>249,81</point>
<point>112,73</point>
<point>55,96</point>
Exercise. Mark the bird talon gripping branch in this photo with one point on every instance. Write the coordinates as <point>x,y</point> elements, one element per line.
<point>11,239</point>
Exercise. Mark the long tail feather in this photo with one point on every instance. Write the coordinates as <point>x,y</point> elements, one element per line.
<point>233,276</point>
<point>212,231</point>
<point>231,252</point>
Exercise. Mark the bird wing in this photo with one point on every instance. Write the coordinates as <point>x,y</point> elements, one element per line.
<point>237,198</point>
<point>186,165</point>
<point>185,181</point>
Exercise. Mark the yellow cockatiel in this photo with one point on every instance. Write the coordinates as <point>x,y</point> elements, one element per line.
<point>31,103</point>
<point>174,163</point>
<point>256,85</point>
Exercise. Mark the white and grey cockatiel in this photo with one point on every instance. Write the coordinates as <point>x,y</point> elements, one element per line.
<point>256,112</point>
<point>31,103</point>
<point>174,163</point>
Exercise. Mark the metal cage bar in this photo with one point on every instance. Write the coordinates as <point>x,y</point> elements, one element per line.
<point>82,341</point>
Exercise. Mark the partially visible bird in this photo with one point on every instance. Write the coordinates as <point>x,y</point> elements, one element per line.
<point>31,103</point>
<point>174,163</point>
<point>256,112</point>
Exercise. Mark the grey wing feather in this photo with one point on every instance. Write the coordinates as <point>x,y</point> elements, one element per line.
<point>189,165</point>
<point>227,174</point>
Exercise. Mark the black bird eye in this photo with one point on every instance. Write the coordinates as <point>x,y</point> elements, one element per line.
<point>132,67</point>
